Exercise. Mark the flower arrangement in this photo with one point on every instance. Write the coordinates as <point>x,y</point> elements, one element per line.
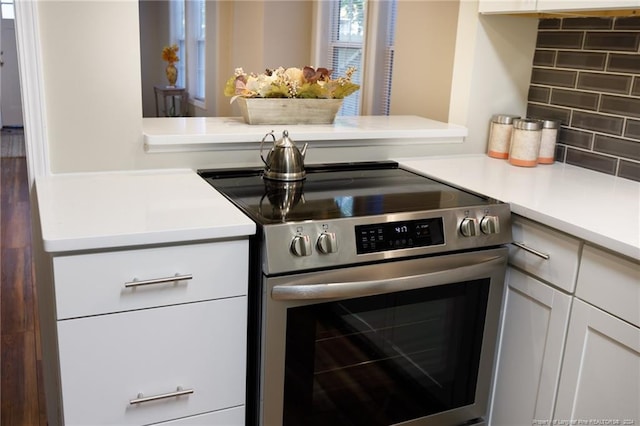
<point>169,54</point>
<point>305,83</point>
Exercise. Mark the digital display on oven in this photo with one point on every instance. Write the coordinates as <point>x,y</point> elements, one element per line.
<point>399,235</point>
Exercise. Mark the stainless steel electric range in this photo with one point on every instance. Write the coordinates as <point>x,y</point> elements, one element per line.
<point>374,296</point>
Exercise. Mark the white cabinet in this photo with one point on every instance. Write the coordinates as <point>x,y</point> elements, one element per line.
<point>506,6</point>
<point>151,335</point>
<point>534,323</point>
<point>108,361</point>
<point>601,367</point>
<point>575,5</point>
<point>521,6</point>
<point>546,253</point>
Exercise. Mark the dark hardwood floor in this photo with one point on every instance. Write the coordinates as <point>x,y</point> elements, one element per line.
<point>21,391</point>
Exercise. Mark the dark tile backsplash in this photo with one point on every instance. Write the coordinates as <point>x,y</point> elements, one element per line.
<point>586,73</point>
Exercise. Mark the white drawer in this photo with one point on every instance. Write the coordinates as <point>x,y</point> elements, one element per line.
<point>229,417</point>
<point>108,360</point>
<point>611,283</point>
<point>90,284</point>
<point>563,251</point>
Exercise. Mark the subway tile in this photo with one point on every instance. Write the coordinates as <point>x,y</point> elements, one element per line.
<point>612,41</point>
<point>575,138</point>
<point>632,129</point>
<point>560,39</point>
<point>560,152</point>
<point>619,147</point>
<point>539,94</point>
<point>549,77</point>
<point>604,82</point>
<point>590,160</point>
<point>619,62</point>
<point>549,24</point>
<point>575,99</point>
<point>635,88</point>
<point>620,105</point>
<point>546,112</point>
<point>591,23</point>
<point>597,122</point>
<point>544,58</point>
<point>627,23</point>
<point>581,60</point>
<point>629,170</point>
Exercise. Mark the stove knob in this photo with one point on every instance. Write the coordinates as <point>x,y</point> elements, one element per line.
<point>468,227</point>
<point>327,243</point>
<point>301,245</point>
<point>490,225</point>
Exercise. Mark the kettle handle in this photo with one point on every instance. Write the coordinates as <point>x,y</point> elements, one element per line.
<point>262,143</point>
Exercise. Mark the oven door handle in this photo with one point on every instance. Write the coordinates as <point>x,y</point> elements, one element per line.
<point>462,271</point>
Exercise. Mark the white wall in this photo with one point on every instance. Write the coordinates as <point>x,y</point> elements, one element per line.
<point>91,72</point>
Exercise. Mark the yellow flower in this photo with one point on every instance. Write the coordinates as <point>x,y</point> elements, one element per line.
<point>169,53</point>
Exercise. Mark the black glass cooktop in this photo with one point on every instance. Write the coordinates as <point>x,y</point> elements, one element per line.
<point>336,191</point>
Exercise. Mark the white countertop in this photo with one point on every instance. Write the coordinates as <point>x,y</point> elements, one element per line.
<point>84,211</point>
<point>227,133</point>
<point>593,206</point>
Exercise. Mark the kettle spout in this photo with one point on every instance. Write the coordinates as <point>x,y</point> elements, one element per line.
<point>304,150</point>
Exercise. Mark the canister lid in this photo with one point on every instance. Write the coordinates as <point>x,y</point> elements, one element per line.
<point>551,124</point>
<point>527,124</point>
<point>504,118</point>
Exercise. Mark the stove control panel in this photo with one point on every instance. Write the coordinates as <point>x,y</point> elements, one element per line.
<point>399,235</point>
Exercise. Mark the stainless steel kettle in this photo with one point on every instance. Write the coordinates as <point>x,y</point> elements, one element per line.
<point>285,162</point>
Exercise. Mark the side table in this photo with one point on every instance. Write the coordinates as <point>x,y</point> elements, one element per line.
<point>171,107</point>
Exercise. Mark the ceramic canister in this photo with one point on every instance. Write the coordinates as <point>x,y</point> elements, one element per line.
<point>550,129</point>
<point>525,142</point>
<point>500,130</point>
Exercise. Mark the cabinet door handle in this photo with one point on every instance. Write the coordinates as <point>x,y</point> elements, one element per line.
<point>531,250</point>
<point>164,280</point>
<point>179,392</point>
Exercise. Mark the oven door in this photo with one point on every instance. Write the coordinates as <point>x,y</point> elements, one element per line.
<point>409,341</point>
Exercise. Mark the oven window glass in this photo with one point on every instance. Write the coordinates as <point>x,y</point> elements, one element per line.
<point>384,359</point>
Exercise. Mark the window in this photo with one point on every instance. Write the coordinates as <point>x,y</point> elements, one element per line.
<point>177,34</point>
<point>6,9</point>
<point>361,35</point>
<point>188,31</point>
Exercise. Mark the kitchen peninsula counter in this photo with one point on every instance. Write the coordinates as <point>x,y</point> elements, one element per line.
<point>231,133</point>
<point>596,207</point>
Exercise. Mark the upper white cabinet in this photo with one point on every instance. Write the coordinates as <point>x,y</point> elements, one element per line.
<point>560,5</point>
<point>506,6</point>
<point>522,6</point>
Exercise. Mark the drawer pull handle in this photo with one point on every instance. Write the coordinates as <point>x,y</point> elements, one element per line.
<point>179,392</point>
<point>531,250</point>
<point>176,277</point>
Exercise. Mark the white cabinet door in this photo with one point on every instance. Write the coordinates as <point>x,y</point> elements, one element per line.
<point>108,361</point>
<point>505,6</point>
<point>229,417</point>
<point>557,5</point>
<point>534,323</point>
<point>601,369</point>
